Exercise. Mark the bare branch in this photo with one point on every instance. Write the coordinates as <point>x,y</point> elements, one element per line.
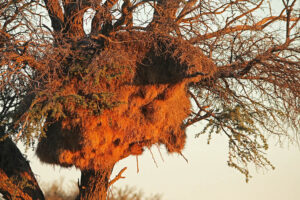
<point>119,176</point>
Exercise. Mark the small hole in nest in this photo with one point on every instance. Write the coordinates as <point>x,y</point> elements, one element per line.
<point>147,110</point>
<point>117,142</point>
<point>144,110</point>
<point>161,96</point>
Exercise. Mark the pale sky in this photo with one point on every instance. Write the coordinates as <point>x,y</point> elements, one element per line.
<point>205,176</point>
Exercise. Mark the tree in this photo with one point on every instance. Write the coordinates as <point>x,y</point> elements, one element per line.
<point>97,81</point>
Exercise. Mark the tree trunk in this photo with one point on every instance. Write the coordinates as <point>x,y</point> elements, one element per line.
<point>16,178</point>
<point>94,184</point>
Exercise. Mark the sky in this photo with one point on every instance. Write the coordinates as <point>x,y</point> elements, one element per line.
<point>205,176</point>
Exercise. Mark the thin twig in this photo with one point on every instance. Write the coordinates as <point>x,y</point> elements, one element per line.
<point>153,157</point>
<point>184,157</point>
<point>160,153</point>
<point>137,164</point>
<point>119,176</point>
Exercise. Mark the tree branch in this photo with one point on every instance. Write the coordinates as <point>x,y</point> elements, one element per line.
<point>119,176</point>
<point>16,177</point>
<point>56,14</point>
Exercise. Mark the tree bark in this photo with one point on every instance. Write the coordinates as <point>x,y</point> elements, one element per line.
<point>17,181</point>
<point>94,184</point>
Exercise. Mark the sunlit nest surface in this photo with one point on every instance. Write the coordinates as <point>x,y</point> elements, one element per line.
<point>153,98</point>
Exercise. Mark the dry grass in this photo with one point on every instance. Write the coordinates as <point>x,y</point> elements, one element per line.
<point>55,192</point>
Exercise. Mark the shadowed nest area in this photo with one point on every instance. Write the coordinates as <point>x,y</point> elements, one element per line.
<point>110,103</point>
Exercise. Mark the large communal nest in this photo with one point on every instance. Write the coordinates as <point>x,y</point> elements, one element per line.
<point>146,84</point>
